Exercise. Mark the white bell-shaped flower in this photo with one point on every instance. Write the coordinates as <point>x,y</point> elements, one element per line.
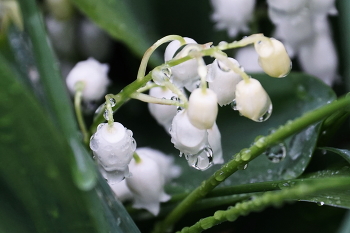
<point>202,108</point>
<point>163,114</point>
<point>94,76</point>
<point>186,137</point>
<point>322,8</point>
<point>319,58</point>
<point>62,36</point>
<point>287,6</point>
<point>186,72</point>
<point>252,101</point>
<point>248,58</point>
<point>147,184</point>
<point>214,139</point>
<point>273,58</point>
<point>293,29</point>
<point>122,191</point>
<point>166,163</point>
<point>113,147</point>
<point>93,41</point>
<point>232,15</point>
<point>224,81</point>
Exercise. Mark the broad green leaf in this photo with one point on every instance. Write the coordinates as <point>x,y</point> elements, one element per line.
<point>116,17</point>
<point>337,198</point>
<point>342,152</point>
<point>291,97</point>
<point>36,177</point>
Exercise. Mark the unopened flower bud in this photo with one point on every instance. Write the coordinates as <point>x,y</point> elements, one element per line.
<point>93,75</point>
<point>252,101</point>
<point>113,147</point>
<point>202,108</point>
<point>273,57</point>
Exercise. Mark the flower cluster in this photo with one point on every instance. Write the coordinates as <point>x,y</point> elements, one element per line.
<point>193,129</point>
<point>140,174</point>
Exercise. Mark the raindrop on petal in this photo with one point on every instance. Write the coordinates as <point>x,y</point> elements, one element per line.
<point>234,105</point>
<point>266,115</point>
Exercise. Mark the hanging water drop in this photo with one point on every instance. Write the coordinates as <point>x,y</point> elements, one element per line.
<point>320,203</point>
<point>276,153</point>
<point>223,67</point>
<point>234,105</point>
<point>105,114</point>
<point>167,72</point>
<point>266,115</point>
<point>112,101</point>
<point>203,160</point>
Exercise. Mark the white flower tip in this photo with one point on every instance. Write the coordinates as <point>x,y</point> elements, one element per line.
<point>252,101</point>
<point>186,137</point>
<point>202,108</point>
<point>273,58</point>
<point>94,76</point>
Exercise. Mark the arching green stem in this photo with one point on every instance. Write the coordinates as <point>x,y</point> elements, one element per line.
<point>148,53</point>
<point>79,87</point>
<point>248,155</point>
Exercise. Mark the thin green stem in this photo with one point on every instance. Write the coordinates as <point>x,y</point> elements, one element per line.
<point>141,81</point>
<point>247,155</point>
<point>109,110</point>
<point>154,100</point>
<point>177,92</point>
<point>223,58</point>
<point>267,199</point>
<point>137,158</point>
<point>79,87</point>
<point>148,86</point>
<point>148,53</point>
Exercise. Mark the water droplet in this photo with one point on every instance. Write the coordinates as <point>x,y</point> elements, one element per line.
<point>283,185</point>
<point>276,153</point>
<point>266,115</point>
<point>234,105</point>
<point>290,68</point>
<point>105,115</point>
<point>320,203</point>
<point>167,72</point>
<point>133,144</point>
<point>219,175</point>
<point>245,154</point>
<point>223,67</point>
<point>242,166</point>
<point>179,109</point>
<point>119,221</point>
<point>100,126</point>
<point>112,101</point>
<point>260,141</point>
<point>93,143</point>
<point>174,98</point>
<point>203,160</point>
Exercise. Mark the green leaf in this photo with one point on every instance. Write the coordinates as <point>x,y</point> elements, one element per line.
<point>337,198</point>
<point>291,97</point>
<point>342,152</point>
<point>36,180</point>
<point>116,17</point>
